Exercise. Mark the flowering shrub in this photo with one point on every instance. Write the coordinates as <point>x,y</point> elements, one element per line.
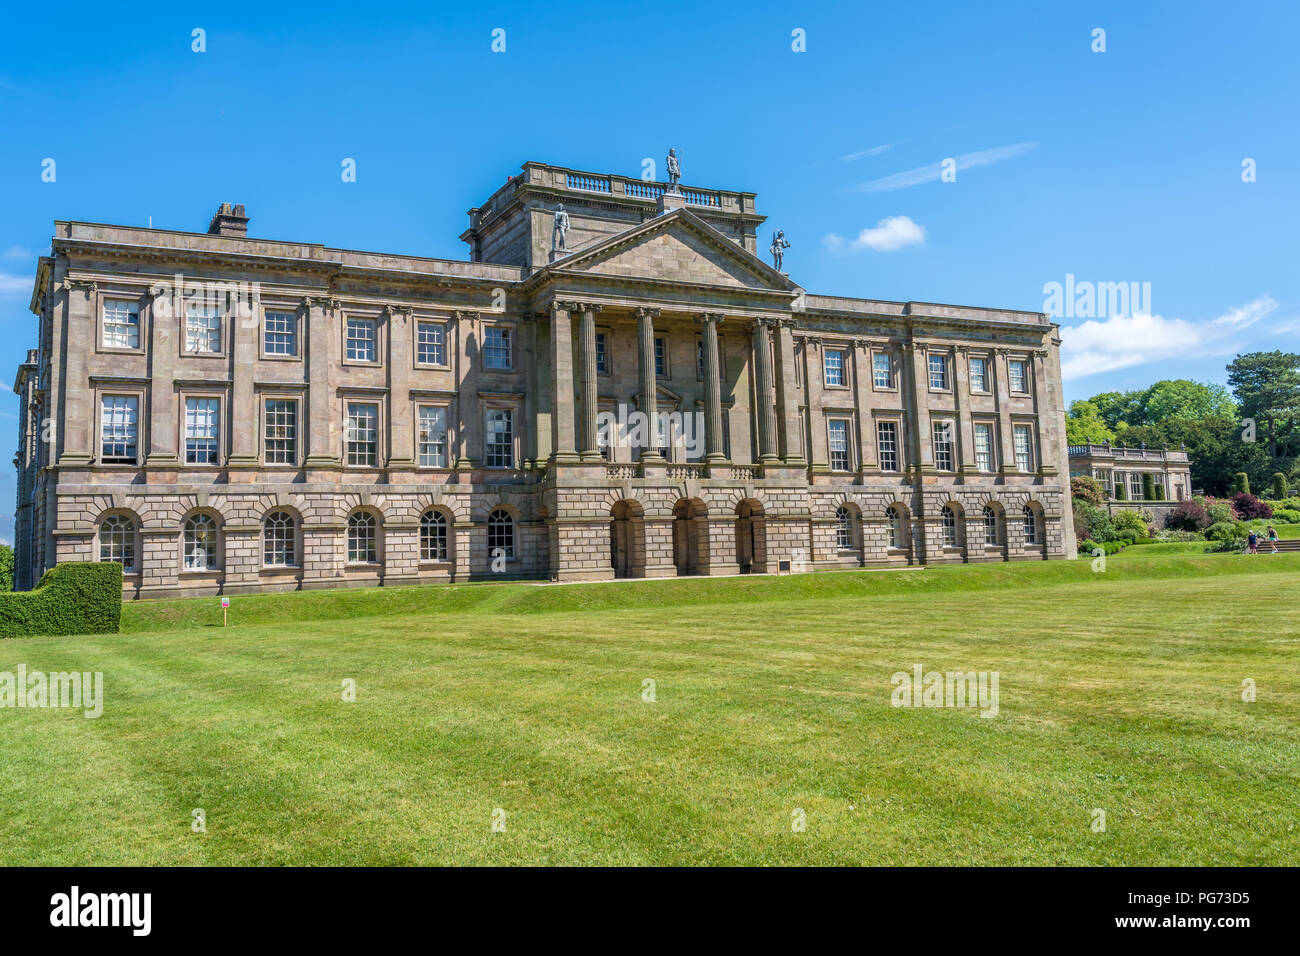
<point>1248,506</point>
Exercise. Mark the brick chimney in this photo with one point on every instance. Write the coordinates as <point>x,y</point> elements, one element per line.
<point>229,221</point>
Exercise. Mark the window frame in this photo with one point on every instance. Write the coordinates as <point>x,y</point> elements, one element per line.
<point>295,331</point>
<point>844,422</point>
<point>512,551</point>
<point>375,553</point>
<point>218,438</point>
<point>659,348</point>
<point>992,452</point>
<point>948,527</point>
<point>222,316</point>
<point>945,371</point>
<point>1025,376</point>
<point>292,540</point>
<point>378,406</point>
<point>296,402</point>
<point>447,551</point>
<point>891,378</point>
<point>1026,429</point>
<point>133,544</point>
<point>897,427</point>
<point>445,408</point>
<point>949,428</point>
<point>508,332</point>
<point>216,555</point>
<point>842,371</point>
<point>377,343</point>
<point>445,327</point>
<point>105,298</point>
<point>992,535</point>
<point>983,361</point>
<point>488,412</point>
<point>1029,525</point>
<point>136,396</point>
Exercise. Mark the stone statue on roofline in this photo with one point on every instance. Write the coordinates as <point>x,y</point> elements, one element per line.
<point>674,171</point>
<point>560,232</point>
<point>779,245</point>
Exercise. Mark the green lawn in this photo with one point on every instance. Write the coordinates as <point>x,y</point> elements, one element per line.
<point>1119,690</point>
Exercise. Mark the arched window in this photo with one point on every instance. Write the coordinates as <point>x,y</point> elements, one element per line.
<point>844,529</point>
<point>202,550</point>
<point>990,525</point>
<point>1031,525</point>
<point>363,545</point>
<point>501,534</point>
<point>433,536</point>
<point>117,542</point>
<point>895,527</point>
<point>279,540</point>
<point>949,522</point>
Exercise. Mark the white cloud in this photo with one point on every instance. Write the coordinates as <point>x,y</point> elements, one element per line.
<point>893,232</point>
<point>10,284</point>
<point>1103,345</point>
<point>19,252</point>
<point>928,174</point>
<point>863,154</point>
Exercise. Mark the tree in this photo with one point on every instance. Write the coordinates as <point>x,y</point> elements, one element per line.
<point>1084,425</point>
<point>1267,386</point>
<point>1116,407</point>
<point>1279,485</point>
<point>1181,398</point>
<point>1241,483</point>
<point>6,568</point>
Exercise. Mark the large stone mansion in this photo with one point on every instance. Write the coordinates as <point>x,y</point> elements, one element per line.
<point>226,414</point>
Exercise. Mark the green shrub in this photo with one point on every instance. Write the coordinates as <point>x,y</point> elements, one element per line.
<point>1240,483</point>
<point>1087,488</point>
<point>1174,534</point>
<point>1148,486</point>
<point>1087,547</point>
<point>1279,485</point>
<point>1286,516</point>
<point>71,598</point>
<point>1288,504</point>
<point>1129,522</point>
<point>1226,531</point>
<point>1219,510</point>
<point>1120,493</point>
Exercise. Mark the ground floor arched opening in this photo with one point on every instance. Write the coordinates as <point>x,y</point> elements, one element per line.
<point>690,536</point>
<point>751,537</point>
<point>627,539</point>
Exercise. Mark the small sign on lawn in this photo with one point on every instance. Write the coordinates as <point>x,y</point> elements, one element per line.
<point>225,609</point>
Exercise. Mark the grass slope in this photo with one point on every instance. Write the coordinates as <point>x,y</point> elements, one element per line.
<point>1119,691</point>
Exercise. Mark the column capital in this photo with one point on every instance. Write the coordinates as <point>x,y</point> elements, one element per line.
<point>647,312</point>
<point>565,305</point>
<point>706,318</point>
<point>592,307</point>
<point>322,302</point>
<point>472,315</point>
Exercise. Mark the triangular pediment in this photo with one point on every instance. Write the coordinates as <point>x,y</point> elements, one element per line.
<point>676,247</point>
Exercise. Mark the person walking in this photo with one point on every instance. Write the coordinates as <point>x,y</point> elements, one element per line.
<point>1272,538</point>
<point>1252,542</point>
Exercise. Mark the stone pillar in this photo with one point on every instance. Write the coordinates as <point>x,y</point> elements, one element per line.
<point>867,461</point>
<point>1044,406</point>
<point>245,324</point>
<point>1006,435</point>
<point>562,447</point>
<point>645,332</point>
<point>764,392</point>
<point>322,451</point>
<point>162,312</point>
<point>789,441</point>
<point>78,414</point>
<point>819,453</point>
<point>965,459</point>
<point>921,459</point>
<point>401,440</point>
<point>590,444</point>
<point>713,450</point>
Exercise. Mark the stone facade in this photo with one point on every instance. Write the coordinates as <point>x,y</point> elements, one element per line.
<point>226,414</point>
<point>1118,466</point>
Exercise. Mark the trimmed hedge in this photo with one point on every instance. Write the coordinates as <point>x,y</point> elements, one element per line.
<point>72,598</point>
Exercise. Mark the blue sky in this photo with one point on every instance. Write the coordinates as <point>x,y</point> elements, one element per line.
<point>1117,166</point>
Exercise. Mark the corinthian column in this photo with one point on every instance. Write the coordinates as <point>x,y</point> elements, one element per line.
<point>766,396</point>
<point>645,333</point>
<point>561,383</point>
<point>712,389</point>
<point>590,444</point>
